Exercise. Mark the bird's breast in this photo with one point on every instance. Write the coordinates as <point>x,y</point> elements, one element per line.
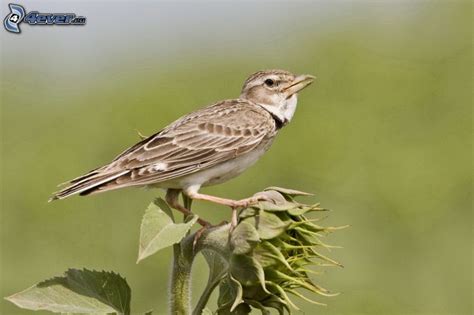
<point>221,172</point>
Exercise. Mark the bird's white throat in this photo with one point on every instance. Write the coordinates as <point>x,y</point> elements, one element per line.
<point>285,110</point>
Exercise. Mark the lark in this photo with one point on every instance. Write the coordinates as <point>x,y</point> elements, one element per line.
<point>206,147</point>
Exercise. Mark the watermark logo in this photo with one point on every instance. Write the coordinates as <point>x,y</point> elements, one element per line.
<point>12,20</point>
<point>18,15</point>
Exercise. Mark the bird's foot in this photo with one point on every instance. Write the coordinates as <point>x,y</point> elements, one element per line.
<point>243,203</point>
<point>247,202</point>
<point>198,234</point>
<point>172,200</point>
<point>204,223</point>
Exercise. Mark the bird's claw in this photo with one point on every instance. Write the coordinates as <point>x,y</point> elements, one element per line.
<point>247,202</point>
<point>204,223</point>
<point>198,234</point>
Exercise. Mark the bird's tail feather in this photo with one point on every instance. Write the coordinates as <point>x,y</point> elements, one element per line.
<point>86,184</point>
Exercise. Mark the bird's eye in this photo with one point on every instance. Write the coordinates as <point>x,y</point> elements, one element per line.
<point>269,82</point>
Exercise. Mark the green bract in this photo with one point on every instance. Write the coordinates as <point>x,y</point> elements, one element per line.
<point>272,251</point>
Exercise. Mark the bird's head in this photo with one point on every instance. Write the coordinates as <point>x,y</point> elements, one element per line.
<point>276,91</point>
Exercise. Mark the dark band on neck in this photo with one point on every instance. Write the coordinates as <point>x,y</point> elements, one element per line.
<point>278,122</point>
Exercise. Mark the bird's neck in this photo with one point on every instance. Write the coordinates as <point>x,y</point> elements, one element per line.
<point>282,113</point>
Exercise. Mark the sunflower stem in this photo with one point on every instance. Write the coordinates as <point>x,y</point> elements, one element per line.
<point>180,294</point>
<point>180,286</point>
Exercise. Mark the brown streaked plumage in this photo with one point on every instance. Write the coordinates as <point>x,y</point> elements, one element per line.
<point>197,141</point>
<point>206,147</point>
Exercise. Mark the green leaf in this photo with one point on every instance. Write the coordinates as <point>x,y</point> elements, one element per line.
<point>244,238</point>
<point>274,201</point>
<point>230,295</point>
<point>282,293</point>
<point>78,291</point>
<point>226,294</point>
<point>160,203</point>
<point>248,212</point>
<point>269,255</point>
<point>268,224</point>
<point>259,306</point>
<point>247,271</point>
<point>302,209</point>
<point>218,267</point>
<point>158,230</point>
<point>287,191</point>
<point>242,309</point>
<point>277,303</point>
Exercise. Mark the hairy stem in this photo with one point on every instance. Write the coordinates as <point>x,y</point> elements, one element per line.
<point>180,291</point>
<point>180,303</point>
<point>214,239</point>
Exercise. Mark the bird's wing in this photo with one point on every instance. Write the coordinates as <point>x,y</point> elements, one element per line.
<point>195,142</point>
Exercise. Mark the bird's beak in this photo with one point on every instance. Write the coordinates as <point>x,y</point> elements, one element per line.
<point>299,83</point>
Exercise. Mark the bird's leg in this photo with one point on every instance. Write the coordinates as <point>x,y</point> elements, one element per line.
<point>234,219</point>
<point>172,199</point>
<point>233,204</point>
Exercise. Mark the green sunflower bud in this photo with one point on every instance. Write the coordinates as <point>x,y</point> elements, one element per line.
<point>273,249</point>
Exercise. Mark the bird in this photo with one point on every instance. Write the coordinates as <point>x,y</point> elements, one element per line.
<point>206,147</point>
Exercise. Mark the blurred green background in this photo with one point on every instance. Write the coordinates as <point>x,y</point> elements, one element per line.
<point>383,138</point>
